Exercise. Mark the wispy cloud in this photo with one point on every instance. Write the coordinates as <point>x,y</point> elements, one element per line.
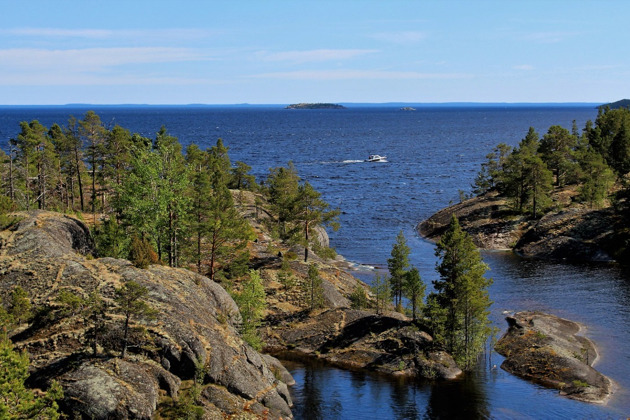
<point>525,67</point>
<point>402,37</point>
<point>74,60</point>
<point>310,56</point>
<point>359,74</point>
<point>100,34</point>
<point>552,37</point>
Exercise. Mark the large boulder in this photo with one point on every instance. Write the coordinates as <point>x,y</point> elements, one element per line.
<point>196,330</point>
<point>352,338</point>
<point>548,350</point>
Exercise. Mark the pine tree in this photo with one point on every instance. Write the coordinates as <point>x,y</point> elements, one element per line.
<point>414,289</point>
<point>557,148</point>
<point>310,211</point>
<point>282,191</point>
<point>17,401</point>
<point>252,303</point>
<point>130,299</point>
<point>461,302</point>
<point>93,134</point>
<point>596,177</point>
<point>397,265</point>
<point>381,290</point>
<point>314,288</point>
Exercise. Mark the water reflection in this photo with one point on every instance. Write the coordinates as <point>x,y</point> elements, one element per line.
<point>461,399</point>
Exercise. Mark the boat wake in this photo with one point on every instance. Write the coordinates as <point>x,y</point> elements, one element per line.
<point>352,161</point>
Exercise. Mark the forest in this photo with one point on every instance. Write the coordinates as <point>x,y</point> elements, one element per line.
<point>592,166</point>
<point>150,200</point>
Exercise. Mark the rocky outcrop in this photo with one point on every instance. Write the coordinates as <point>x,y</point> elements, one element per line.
<point>574,234</point>
<point>194,335</point>
<point>547,350</point>
<point>359,339</point>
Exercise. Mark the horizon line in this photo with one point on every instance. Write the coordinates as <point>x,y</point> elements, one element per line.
<point>245,104</point>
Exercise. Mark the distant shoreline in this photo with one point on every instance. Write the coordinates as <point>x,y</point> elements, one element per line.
<point>345,104</point>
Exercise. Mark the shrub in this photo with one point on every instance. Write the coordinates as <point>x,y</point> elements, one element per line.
<point>141,253</point>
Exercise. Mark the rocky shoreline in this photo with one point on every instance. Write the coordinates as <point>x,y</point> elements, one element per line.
<point>548,350</point>
<point>574,234</point>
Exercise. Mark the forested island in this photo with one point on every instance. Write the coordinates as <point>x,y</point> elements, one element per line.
<point>562,196</point>
<point>315,106</point>
<point>167,278</point>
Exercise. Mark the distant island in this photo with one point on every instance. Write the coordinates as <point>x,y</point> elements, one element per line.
<point>624,103</point>
<point>407,108</point>
<point>315,106</point>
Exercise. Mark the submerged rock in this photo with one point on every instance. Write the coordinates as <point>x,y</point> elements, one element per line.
<point>547,350</point>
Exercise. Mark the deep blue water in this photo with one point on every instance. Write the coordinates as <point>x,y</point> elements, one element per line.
<point>432,153</point>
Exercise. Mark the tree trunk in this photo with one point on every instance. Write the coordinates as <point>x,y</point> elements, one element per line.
<point>77,162</point>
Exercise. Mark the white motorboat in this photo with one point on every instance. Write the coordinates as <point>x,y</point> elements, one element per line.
<point>376,158</point>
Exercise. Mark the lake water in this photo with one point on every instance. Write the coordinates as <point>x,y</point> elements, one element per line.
<point>432,153</point>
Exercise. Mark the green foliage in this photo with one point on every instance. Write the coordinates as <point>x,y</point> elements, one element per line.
<point>17,401</point>
<point>130,301</point>
<point>252,302</point>
<point>557,150</point>
<point>461,302</point>
<point>315,288</point>
<point>111,239</point>
<point>359,298</point>
<point>596,176</point>
<point>397,265</point>
<point>20,308</point>
<point>414,289</point>
<point>381,291</point>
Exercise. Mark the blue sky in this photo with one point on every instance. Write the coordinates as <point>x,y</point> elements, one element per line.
<point>280,52</point>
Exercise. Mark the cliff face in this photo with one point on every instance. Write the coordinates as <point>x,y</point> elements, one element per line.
<point>572,234</point>
<point>194,334</point>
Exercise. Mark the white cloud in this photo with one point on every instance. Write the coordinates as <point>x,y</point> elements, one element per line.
<point>125,34</point>
<point>402,37</point>
<point>549,37</point>
<point>310,56</point>
<point>358,75</point>
<point>76,60</point>
<point>526,67</point>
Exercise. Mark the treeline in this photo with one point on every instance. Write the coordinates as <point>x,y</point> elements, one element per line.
<point>594,161</point>
<point>149,199</point>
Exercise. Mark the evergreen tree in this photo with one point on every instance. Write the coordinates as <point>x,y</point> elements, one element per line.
<point>414,290</point>
<point>199,190</point>
<point>175,174</point>
<point>311,210</point>
<point>381,290</point>
<point>314,288</point>
<point>461,301</point>
<point>19,305</point>
<point>227,231</point>
<point>489,176</point>
<point>397,265</point>
<point>130,299</point>
<point>17,401</point>
<point>538,181</point>
<point>252,303</point>
<point>241,178</point>
<point>596,177</point>
<point>93,133</point>
<point>557,148</point>
<point>282,190</point>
